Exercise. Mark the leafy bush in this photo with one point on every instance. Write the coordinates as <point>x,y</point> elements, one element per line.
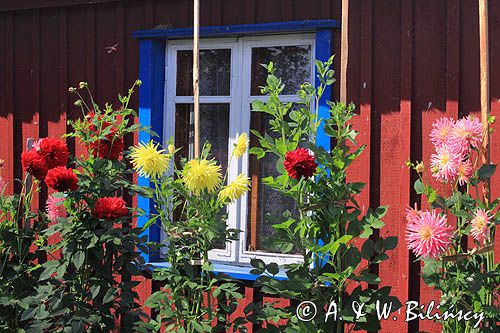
<point>329,232</point>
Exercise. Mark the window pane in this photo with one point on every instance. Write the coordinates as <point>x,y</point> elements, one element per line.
<point>215,72</point>
<point>214,128</point>
<point>292,63</point>
<point>265,205</point>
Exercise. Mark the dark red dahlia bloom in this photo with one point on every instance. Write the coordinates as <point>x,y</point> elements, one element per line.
<point>61,179</point>
<point>90,118</point>
<point>55,152</point>
<point>299,163</point>
<point>110,148</point>
<point>35,164</point>
<point>109,208</point>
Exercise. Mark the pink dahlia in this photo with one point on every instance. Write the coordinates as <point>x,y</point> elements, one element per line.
<point>464,172</point>
<point>428,236</point>
<point>480,224</point>
<point>467,132</point>
<point>440,133</point>
<point>55,208</point>
<point>412,214</point>
<point>444,163</point>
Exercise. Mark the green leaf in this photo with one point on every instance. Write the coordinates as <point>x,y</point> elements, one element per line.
<point>390,243</point>
<point>367,249</point>
<point>78,259</point>
<point>486,171</point>
<point>273,268</point>
<point>419,187</point>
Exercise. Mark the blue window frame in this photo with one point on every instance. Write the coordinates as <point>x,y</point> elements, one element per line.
<point>152,92</point>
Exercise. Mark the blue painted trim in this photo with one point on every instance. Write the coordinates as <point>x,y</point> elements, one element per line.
<point>324,39</point>
<point>234,271</point>
<point>237,30</point>
<point>151,95</point>
<point>324,42</point>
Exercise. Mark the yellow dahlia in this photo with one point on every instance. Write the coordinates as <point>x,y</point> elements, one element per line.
<point>149,160</point>
<point>199,175</point>
<point>241,145</point>
<point>236,189</point>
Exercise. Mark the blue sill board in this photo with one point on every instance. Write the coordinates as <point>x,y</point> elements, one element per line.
<point>237,272</point>
<point>240,29</point>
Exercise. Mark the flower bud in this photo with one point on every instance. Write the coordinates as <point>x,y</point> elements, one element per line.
<point>71,89</point>
<point>171,149</point>
<point>138,82</point>
<point>420,167</point>
<point>78,103</point>
<point>83,85</point>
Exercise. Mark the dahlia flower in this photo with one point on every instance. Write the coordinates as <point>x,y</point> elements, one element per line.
<point>34,163</point>
<point>55,151</point>
<point>441,129</point>
<point>149,160</point>
<point>444,164</point>
<point>480,226</point>
<point>235,189</point>
<point>61,179</point>
<point>55,208</point>
<point>110,148</point>
<point>241,145</point>
<point>299,163</point>
<point>467,132</point>
<point>199,175</point>
<point>428,235</point>
<point>464,172</point>
<point>109,208</point>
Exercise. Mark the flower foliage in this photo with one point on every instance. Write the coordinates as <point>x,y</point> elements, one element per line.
<point>465,275</point>
<point>327,226</point>
<point>190,198</point>
<point>88,283</point>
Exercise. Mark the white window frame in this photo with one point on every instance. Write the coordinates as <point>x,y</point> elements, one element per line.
<point>239,102</point>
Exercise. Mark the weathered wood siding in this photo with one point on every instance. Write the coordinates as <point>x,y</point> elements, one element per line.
<point>409,63</point>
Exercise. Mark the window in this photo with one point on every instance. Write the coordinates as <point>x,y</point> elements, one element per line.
<point>230,79</point>
<point>230,76</point>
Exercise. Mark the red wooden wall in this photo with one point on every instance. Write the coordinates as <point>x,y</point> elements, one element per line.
<point>409,62</point>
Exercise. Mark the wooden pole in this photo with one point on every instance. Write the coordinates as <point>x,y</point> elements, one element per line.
<point>485,89</point>
<point>344,46</point>
<point>196,83</point>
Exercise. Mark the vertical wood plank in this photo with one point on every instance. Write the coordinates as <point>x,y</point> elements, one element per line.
<point>429,96</point>
<point>404,264</point>
<point>7,100</point>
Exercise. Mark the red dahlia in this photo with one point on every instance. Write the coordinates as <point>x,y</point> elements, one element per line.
<point>90,118</point>
<point>299,163</point>
<point>110,208</point>
<point>110,148</point>
<point>55,152</point>
<point>61,179</point>
<point>34,163</point>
